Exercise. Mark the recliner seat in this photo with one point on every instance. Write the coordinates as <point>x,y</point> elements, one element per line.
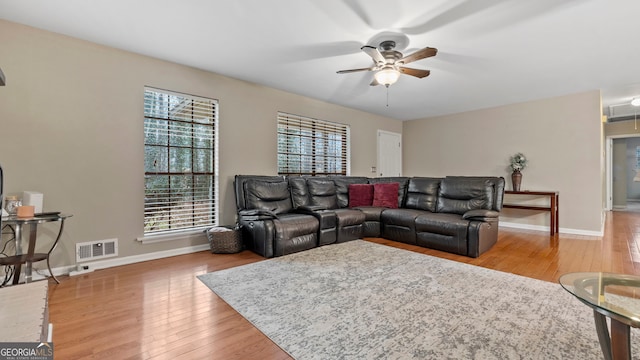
<point>371,227</point>
<point>265,212</point>
<point>399,224</point>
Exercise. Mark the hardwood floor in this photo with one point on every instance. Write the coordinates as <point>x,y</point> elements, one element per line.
<point>159,310</point>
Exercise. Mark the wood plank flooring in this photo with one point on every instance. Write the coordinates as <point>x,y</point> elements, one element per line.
<point>159,310</point>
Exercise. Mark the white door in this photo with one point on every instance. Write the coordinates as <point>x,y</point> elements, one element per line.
<point>389,153</point>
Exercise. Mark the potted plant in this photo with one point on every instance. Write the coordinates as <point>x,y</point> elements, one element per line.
<point>518,163</point>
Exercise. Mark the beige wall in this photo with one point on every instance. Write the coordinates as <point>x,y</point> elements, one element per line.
<point>71,119</point>
<point>560,136</point>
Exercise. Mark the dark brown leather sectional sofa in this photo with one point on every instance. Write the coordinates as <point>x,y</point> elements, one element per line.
<point>282,215</point>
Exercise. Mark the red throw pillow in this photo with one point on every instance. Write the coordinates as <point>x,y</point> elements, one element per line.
<point>360,195</point>
<point>386,195</point>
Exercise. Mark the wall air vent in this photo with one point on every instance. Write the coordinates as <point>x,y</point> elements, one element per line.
<point>96,250</point>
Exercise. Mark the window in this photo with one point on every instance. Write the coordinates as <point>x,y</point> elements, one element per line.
<point>180,161</point>
<point>311,147</point>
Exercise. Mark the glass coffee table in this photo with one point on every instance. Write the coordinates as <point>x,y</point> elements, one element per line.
<point>615,296</point>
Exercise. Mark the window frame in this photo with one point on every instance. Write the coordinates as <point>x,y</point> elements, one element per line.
<point>210,173</point>
<point>319,133</point>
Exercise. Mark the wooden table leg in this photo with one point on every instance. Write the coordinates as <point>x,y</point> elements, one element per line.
<point>552,215</point>
<point>620,340</point>
<point>557,210</point>
<point>603,334</point>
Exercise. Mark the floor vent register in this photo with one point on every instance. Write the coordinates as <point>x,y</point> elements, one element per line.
<point>96,250</point>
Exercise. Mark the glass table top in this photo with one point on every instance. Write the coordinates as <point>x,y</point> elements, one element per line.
<point>13,219</point>
<point>614,295</point>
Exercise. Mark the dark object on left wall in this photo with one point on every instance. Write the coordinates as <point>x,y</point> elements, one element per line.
<point>1,192</point>
<point>2,79</point>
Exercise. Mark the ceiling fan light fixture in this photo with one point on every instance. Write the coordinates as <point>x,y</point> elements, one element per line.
<point>635,101</point>
<point>387,76</point>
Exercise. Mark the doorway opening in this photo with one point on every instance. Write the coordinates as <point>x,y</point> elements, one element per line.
<point>623,173</point>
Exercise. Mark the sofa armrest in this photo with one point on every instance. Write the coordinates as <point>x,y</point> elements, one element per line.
<point>258,235</point>
<point>256,214</point>
<point>481,215</point>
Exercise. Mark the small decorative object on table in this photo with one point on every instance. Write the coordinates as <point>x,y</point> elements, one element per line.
<point>25,211</point>
<point>11,204</point>
<point>225,239</point>
<point>518,163</point>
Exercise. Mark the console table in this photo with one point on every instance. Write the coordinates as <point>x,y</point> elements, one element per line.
<point>553,208</point>
<point>31,256</point>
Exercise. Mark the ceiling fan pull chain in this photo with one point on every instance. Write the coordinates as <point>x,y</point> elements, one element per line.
<point>387,95</point>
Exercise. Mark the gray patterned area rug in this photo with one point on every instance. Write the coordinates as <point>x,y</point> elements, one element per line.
<point>361,300</point>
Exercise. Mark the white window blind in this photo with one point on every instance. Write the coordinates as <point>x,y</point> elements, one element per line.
<point>180,161</point>
<point>309,146</point>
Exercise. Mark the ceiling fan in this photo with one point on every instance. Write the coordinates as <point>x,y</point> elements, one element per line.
<point>388,63</point>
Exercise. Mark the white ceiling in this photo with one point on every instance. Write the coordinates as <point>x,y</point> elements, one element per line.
<point>491,52</point>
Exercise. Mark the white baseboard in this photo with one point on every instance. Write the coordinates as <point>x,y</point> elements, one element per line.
<point>546,229</point>
<point>103,264</point>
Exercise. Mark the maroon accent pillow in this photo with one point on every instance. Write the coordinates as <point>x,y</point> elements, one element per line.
<point>360,195</point>
<point>386,195</point>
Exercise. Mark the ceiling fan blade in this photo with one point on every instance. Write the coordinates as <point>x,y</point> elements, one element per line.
<point>354,70</point>
<point>374,53</point>
<point>420,54</point>
<point>419,73</point>
<point>374,82</point>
